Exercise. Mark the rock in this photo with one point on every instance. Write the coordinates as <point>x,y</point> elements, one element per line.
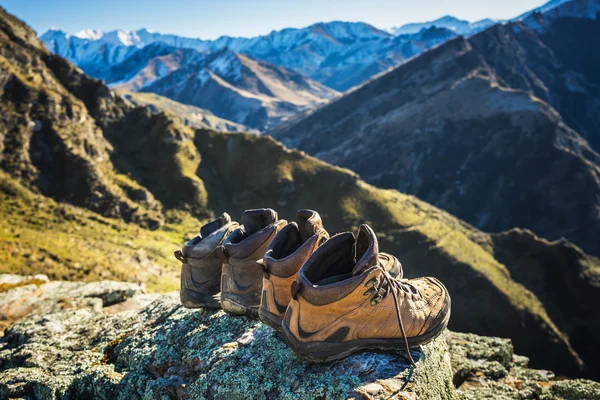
<point>486,368</point>
<point>162,350</point>
<point>19,280</point>
<point>25,296</point>
<point>119,343</point>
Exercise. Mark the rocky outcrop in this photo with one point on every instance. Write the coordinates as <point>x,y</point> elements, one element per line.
<point>107,340</point>
<point>131,350</point>
<point>487,368</point>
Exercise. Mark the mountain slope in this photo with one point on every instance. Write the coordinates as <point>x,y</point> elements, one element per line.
<point>148,65</point>
<point>551,56</point>
<point>203,172</point>
<point>194,117</point>
<point>458,127</point>
<point>235,87</point>
<point>337,54</point>
<point>542,9</point>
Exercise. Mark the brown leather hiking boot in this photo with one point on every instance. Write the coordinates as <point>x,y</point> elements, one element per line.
<point>201,268</point>
<point>290,248</point>
<point>340,305</point>
<point>241,280</point>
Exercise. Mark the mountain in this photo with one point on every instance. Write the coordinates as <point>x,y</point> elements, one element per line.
<point>92,186</point>
<point>149,64</point>
<point>500,129</point>
<point>194,117</point>
<point>337,54</point>
<point>542,9</point>
<point>459,26</point>
<point>231,85</point>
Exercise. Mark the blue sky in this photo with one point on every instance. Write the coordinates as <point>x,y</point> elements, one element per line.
<point>210,19</point>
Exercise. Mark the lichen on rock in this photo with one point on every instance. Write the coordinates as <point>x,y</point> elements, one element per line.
<point>108,340</point>
<point>163,350</point>
<point>487,368</point>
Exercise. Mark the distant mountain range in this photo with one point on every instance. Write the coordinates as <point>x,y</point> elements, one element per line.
<point>337,54</point>
<point>231,85</point>
<point>274,71</point>
<point>458,26</point>
<point>501,129</point>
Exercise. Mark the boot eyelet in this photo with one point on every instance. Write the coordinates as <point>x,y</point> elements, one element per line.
<point>371,282</point>
<point>370,291</point>
<point>375,301</point>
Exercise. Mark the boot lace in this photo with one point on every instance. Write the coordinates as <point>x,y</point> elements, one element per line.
<point>381,287</point>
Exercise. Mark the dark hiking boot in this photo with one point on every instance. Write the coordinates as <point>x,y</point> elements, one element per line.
<point>290,248</point>
<point>243,249</point>
<point>201,268</point>
<point>347,299</point>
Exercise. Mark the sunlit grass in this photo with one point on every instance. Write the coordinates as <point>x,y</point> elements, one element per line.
<point>38,235</point>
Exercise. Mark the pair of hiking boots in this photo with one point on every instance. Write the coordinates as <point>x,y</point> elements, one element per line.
<point>330,297</point>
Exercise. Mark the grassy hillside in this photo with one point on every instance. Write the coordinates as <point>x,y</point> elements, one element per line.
<point>40,235</point>
<point>190,115</point>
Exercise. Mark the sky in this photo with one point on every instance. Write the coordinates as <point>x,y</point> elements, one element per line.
<point>211,19</point>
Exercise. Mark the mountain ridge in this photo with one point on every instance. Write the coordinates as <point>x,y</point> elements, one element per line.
<point>470,126</point>
<point>459,26</point>
<point>233,86</point>
<point>326,52</point>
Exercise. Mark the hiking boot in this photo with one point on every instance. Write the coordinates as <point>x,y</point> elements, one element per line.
<point>346,299</point>
<point>201,268</point>
<point>241,280</point>
<point>290,248</point>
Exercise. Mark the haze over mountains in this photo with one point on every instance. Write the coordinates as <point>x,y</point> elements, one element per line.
<point>501,129</point>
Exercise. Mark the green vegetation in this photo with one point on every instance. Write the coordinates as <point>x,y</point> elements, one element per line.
<point>39,235</point>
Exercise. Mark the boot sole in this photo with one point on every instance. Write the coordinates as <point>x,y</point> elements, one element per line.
<point>322,352</point>
<point>270,319</point>
<point>233,306</point>
<point>192,299</point>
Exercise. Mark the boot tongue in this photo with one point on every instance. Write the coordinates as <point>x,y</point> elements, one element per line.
<point>366,249</point>
<point>212,226</point>
<point>309,223</point>
<point>255,220</point>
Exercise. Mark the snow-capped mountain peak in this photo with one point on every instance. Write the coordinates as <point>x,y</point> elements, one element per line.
<point>459,26</point>
<point>226,64</point>
<point>348,30</point>
<point>338,54</point>
<point>89,34</point>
